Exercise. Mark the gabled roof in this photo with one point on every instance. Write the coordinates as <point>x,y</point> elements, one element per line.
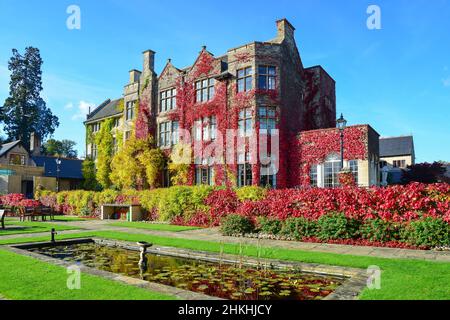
<point>106,110</point>
<point>69,168</point>
<point>8,146</point>
<point>396,146</point>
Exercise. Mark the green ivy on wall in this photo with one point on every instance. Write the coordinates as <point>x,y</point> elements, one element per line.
<point>104,141</point>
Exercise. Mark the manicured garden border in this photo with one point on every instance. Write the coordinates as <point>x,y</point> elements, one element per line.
<point>401,279</point>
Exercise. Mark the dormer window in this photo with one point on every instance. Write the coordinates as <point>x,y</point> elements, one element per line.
<point>204,90</point>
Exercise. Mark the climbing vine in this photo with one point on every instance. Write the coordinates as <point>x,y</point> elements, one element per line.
<point>104,141</point>
<point>137,165</point>
<point>312,147</point>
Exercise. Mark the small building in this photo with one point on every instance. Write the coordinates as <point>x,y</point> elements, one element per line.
<point>18,171</point>
<point>396,154</point>
<point>22,171</point>
<point>70,175</point>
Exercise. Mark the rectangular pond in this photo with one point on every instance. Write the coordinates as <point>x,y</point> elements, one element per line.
<point>235,281</point>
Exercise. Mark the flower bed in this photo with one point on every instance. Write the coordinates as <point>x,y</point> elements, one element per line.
<point>18,200</point>
<point>417,214</point>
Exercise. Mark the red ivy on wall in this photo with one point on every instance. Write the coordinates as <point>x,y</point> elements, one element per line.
<point>313,147</point>
<point>144,123</point>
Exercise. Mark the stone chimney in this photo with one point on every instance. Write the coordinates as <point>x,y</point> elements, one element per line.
<point>285,30</point>
<point>35,144</point>
<point>149,62</point>
<point>134,76</point>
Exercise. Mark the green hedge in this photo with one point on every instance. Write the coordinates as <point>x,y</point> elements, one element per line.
<point>426,232</point>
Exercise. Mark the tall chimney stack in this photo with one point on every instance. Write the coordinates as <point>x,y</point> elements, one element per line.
<point>149,62</point>
<point>134,76</point>
<point>284,30</point>
<point>35,144</point>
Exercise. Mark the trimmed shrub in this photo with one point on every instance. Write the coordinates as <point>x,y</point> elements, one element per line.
<point>381,230</point>
<point>299,228</point>
<point>428,232</point>
<point>336,226</point>
<point>269,226</point>
<point>235,224</point>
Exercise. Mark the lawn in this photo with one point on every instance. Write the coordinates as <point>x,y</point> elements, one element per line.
<point>25,278</point>
<point>69,218</point>
<point>14,226</point>
<point>151,226</point>
<point>401,278</point>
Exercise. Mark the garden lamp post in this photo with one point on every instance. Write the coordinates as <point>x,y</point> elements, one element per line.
<point>58,164</point>
<point>341,125</point>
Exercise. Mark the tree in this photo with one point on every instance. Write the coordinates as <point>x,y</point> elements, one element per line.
<point>425,173</point>
<point>24,111</point>
<point>64,148</point>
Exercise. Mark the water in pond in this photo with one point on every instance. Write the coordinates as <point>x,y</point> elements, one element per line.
<point>214,279</point>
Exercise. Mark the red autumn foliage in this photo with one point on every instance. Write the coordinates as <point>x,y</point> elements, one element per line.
<point>395,203</point>
<point>313,147</point>
<point>347,179</point>
<point>222,203</point>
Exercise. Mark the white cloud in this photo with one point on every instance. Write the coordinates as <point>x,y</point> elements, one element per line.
<point>446,82</point>
<point>68,106</point>
<point>82,110</point>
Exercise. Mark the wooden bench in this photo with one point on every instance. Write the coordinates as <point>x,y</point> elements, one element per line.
<point>47,212</point>
<point>2,217</point>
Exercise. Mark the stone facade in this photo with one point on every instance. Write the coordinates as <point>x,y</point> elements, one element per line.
<point>260,77</point>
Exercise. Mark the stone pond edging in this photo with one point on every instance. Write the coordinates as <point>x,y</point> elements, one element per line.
<point>355,279</point>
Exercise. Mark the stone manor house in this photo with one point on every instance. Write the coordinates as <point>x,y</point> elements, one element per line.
<point>259,85</point>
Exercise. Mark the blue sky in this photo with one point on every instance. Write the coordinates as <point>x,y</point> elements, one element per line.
<point>397,79</point>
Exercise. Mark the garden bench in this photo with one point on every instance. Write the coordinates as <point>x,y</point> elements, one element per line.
<point>2,217</point>
<point>25,213</point>
<point>47,212</point>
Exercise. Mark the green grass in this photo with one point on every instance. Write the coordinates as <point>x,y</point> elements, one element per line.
<point>151,226</point>
<point>401,278</point>
<point>25,278</point>
<point>69,218</point>
<point>12,227</point>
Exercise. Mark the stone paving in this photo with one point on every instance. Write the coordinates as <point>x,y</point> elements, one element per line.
<point>214,235</point>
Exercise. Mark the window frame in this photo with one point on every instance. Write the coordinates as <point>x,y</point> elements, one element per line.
<point>268,77</point>
<point>205,129</point>
<point>129,110</point>
<point>168,99</point>
<point>354,168</point>
<point>20,157</point>
<point>245,122</point>
<point>314,176</point>
<point>246,79</point>
<point>199,175</point>
<point>169,132</point>
<point>335,169</point>
<point>267,118</point>
<point>205,92</point>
